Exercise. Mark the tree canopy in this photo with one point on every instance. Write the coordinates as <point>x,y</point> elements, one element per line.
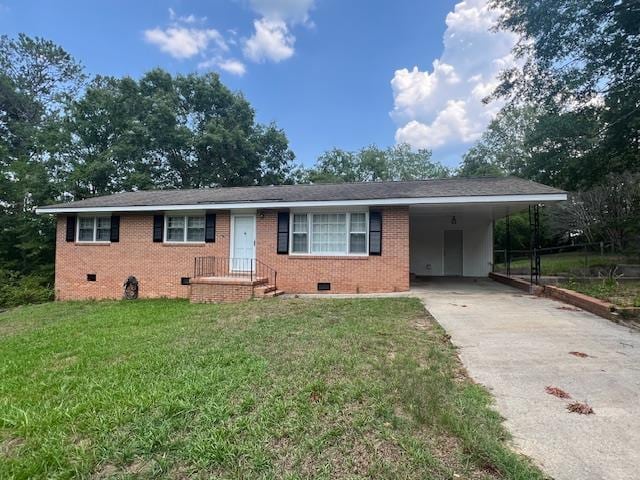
<point>572,111</point>
<point>65,137</point>
<point>371,164</point>
<point>164,131</point>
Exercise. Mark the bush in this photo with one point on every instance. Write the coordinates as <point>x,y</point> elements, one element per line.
<point>21,290</point>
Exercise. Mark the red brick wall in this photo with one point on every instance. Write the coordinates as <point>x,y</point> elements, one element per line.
<point>159,267</point>
<point>388,272</point>
<point>221,292</point>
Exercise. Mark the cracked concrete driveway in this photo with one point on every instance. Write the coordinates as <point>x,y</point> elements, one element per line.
<point>516,345</point>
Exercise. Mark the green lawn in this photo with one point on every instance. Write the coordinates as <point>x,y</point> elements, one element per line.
<point>622,293</point>
<point>568,263</point>
<point>367,388</point>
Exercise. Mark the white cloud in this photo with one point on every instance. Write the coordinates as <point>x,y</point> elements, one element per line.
<point>233,66</point>
<point>185,36</point>
<point>452,121</point>
<point>182,42</point>
<point>229,65</point>
<point>271,41</point>
<point>292,11</point>
<point>183,39</point>
<point>191,18</point>
<point>442,107</point>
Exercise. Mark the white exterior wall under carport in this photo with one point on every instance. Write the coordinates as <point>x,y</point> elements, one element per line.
<point>427,244</point>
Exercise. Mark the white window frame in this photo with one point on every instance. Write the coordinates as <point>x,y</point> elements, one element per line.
<point>365,232</point>
<point>184,232</point>
<point>292,233</point>
<point>95,228</point>
<point>309,214</point>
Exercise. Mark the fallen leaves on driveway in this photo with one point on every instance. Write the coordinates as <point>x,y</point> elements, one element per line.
<point>581,408</point>
<point>579,354</point>
<point>557,392</point>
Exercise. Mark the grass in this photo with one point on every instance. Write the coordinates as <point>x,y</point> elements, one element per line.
<point>623,293</point>
<point>568,263</point>
<point>367,388</point>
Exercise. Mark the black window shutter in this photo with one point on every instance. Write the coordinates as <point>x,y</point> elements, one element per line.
<point>283,233</point>
<point>158,228</point>
<point>115,228</point>
<point>71,228</point>
<point>375,233</point>
<point>210,228</point>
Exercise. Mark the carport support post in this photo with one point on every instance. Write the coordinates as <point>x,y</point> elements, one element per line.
<point>507,247</point>
<point>534,244</point>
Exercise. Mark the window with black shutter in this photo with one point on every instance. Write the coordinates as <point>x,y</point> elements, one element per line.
<point>283,233</point>
<point>158,228</point>
<point>115,228</point>
<point>210,228</point>
<point>71,229</point>
<point>375,233</point>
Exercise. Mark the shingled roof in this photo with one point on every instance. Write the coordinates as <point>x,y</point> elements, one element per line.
<point>450,187</point>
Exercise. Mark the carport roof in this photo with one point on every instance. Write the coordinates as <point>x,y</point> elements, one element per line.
<point>400,192</point>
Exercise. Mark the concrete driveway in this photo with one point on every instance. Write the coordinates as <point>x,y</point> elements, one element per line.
<point>516,345</point>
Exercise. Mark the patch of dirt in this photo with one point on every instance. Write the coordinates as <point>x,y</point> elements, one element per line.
<point>9,446</point>
<point>139,466</point>
<point>400,413</point>
<point>63,362</point>
<point>364,450</point>
<point>422,324</point>
<point>105,471</point>
<point>581,408</point>
<point>557,392</point>
<point>448,450</point>
<point>282,448</point>
<point>81,442</point>
<point>181,472</point>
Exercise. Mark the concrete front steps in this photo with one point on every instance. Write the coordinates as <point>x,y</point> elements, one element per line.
<point>266,291</point>
<point>230,289</point>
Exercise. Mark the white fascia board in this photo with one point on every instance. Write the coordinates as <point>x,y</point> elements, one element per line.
<point>540,198</point>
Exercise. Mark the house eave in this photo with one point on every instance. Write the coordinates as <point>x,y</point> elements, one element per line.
<point>457,200</point>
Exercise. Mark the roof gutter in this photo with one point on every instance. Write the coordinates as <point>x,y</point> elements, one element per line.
<point>461,200</point>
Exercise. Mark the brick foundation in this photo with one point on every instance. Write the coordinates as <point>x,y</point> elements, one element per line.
<point>216,290</point>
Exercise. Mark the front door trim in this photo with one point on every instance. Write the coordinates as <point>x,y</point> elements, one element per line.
<point>232,239</point>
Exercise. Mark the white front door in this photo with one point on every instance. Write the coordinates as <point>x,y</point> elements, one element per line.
<point>243,245</point>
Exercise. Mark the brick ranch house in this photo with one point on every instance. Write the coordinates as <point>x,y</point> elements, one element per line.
<point>219,244</point>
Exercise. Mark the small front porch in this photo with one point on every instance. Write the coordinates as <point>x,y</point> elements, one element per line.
<point>228,279</point>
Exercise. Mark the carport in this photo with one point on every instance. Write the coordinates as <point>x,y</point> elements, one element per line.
<point>456,239</point>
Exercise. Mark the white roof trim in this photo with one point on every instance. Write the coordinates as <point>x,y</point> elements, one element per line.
<point>539,198</point>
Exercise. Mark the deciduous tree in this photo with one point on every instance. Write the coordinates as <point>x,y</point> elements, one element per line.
<point>372,164</point>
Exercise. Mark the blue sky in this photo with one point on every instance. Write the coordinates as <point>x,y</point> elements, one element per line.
<point>329,72</point>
